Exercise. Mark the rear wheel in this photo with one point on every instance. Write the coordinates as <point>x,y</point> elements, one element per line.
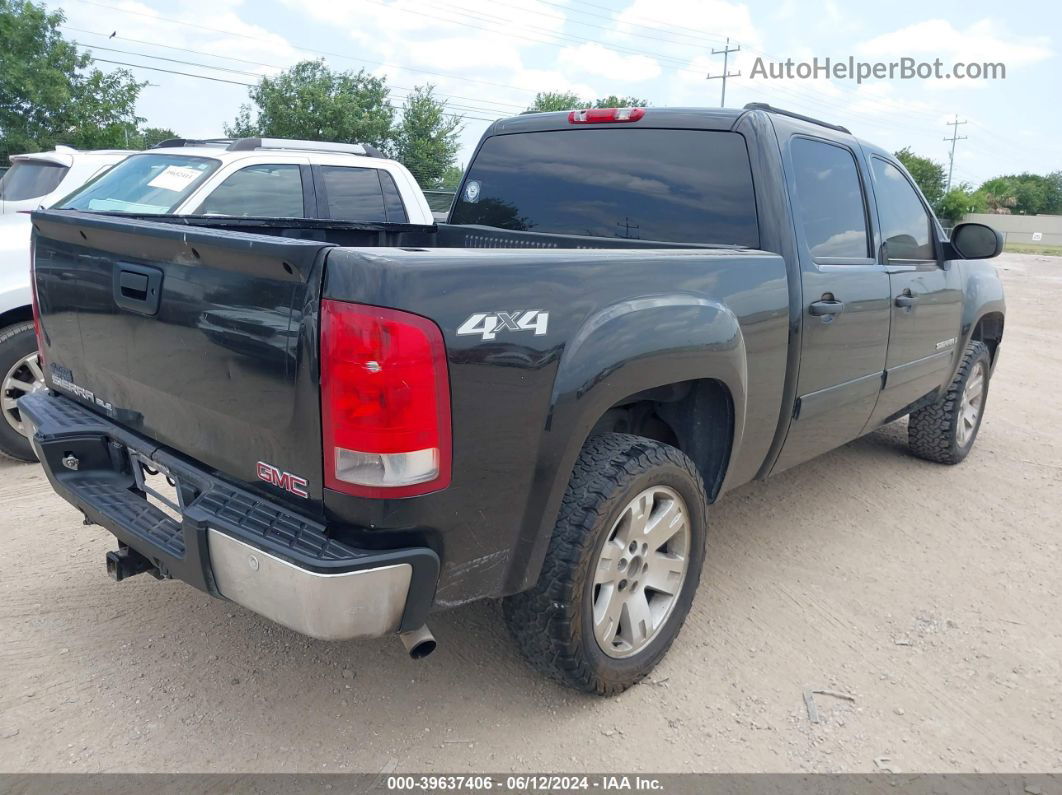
<point>21,372</point>
<point>622,567</point>
<point>945,431</point>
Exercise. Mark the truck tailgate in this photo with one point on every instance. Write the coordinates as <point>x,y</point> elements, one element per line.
<point>198,339</point>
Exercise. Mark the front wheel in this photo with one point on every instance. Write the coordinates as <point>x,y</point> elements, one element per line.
<point>622,567</point>
<point>21,372</point>
<point>945,431</point>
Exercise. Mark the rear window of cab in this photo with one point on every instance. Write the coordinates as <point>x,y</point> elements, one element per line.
<point>681,186</point>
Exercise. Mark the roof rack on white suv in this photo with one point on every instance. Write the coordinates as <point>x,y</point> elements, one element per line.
<point>172,142</point>
<point>244,144</point>
<point>252,144</point>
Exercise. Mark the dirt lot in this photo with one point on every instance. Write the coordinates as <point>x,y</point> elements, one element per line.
<point>930,595</point>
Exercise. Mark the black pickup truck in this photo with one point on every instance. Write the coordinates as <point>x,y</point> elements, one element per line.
<point>344,427</point>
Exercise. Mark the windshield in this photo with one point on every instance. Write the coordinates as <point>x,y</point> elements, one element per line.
<point>30,179</point>
<point>152,184</point>
<point>682,186</point>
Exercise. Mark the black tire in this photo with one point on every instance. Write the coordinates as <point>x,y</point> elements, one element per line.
<point>552,623</point>
<point>933,431</point>
<point>16,342</point>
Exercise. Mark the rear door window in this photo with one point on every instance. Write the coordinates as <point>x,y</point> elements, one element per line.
<point>353,194</point>
<point>830,202</point>
<point>682,186</point>
<point>396,211</point>
<point>30,179</point>
<point>258,191</point>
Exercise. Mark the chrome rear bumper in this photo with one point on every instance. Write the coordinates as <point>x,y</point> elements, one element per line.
<point>355,604</point>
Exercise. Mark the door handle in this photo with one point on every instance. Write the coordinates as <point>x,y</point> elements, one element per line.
<point>826,307</point>
<point>905,300</point>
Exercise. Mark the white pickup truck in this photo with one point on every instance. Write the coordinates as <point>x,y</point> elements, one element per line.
<point>247,177</point>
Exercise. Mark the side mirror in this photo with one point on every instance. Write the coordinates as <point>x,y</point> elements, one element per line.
<point>976,241</point>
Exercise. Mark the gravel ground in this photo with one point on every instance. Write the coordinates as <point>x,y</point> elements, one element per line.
<point>925,599</point>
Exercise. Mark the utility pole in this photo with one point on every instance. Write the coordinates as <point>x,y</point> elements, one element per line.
<point>630,231</point>
<point>954,137</point>
<point>725,52</point>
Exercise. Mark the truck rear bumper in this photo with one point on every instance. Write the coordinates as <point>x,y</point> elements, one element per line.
<point>228,541</point>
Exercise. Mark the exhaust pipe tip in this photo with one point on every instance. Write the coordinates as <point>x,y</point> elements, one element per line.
<point>419,643</point>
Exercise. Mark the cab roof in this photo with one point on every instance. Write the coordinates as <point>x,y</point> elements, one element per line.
<point>673,118</point>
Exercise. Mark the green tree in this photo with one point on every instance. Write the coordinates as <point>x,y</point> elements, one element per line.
<point>451,178</point>
<point>313,102</point>
<point>612,101</point>
<point>426,139</point>
<point>149,136</point>
<point>959,201</point>
<point>1025,194</point>
<point>566,100</point>
<point>546,101</point>
<point>928,174</point>
<point>48,92</point>
<point>1054,193</point>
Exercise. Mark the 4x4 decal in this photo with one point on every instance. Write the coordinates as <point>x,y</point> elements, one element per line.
<point>488,324</point>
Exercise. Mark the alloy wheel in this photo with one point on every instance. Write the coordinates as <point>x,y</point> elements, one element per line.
<point>640,571</point>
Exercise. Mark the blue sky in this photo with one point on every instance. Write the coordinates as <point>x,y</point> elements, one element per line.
<point>489,57</point>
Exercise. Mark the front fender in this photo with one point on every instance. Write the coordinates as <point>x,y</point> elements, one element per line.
<point>982,295</point>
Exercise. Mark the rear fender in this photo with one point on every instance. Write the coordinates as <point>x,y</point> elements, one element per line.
<point>621,350</point>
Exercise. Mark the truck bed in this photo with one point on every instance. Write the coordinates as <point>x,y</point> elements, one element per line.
<point>354,233</point>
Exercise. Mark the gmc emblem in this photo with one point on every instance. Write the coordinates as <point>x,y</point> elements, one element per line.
<point>285,480</point>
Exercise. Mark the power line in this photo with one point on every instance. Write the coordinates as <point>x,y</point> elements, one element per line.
<point>560,40</point>
<point>252,74</point>
<point>794,91</point>
<point>238,60</point>
<point>170,60</point>
<point>328,53</point>
<point>680,65</point>
<point>311,50</point>
<point>172,72</point>
<point>725,52</point>
<point>701,39</point>
<point>954,137</point>
<point>252,85</point>
<point>641,34</point>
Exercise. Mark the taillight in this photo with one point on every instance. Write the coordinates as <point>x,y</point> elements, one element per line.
<point>36,304</point>
<point>385,402</point>
<point>605,115</point>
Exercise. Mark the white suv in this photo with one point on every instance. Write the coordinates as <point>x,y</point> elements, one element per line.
<point>36,180</point>
<point>259,177</point>
<point>249,177</point>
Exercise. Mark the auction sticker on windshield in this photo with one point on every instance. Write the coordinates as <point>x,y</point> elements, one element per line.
<point>174,178</point>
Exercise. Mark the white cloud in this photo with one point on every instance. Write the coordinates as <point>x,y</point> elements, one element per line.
<point>986,40</point>
<point>229,34</point>
<point>696,20</point>
<point>198,29</point>
<point>596,59</point>
<point>378,22</point>
<point>461,52</point>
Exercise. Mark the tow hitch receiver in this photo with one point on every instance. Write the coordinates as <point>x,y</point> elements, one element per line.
<point>126,562</point>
